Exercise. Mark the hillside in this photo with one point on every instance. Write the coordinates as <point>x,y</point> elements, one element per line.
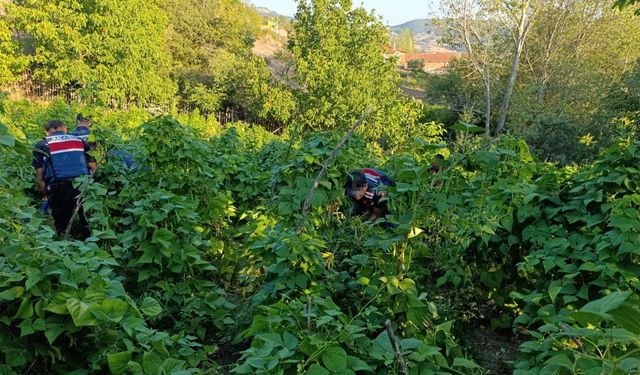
<point>266,12</point>
<point>425,33</point>
<point>417,26</point>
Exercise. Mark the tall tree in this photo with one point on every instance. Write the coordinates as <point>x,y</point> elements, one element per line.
<point>117,46</point>
<point>405,42</point>
<point>211,42</point>
<point>11,61</point>
<point>574,54</point>
<point>517,17</point>
<point>469,23</point>
<point>341,70</point>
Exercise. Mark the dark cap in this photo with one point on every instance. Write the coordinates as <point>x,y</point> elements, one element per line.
<point>81,117</point>
<point>53,124</point>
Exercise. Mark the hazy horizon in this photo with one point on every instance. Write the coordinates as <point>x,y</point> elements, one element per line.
<point>410,9</point>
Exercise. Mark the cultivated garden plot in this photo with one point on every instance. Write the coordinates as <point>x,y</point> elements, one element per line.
<point>196,263</point>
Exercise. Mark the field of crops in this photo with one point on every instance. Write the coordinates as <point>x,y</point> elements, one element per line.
<point>196,264</point>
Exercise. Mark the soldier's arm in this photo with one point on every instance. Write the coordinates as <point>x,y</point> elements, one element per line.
<point>377,212</point>
<point>42,186</point>
<point>91,161</point>
<point>92,166</point>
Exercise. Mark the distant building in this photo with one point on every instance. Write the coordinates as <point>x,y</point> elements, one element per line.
<point>435,61</point>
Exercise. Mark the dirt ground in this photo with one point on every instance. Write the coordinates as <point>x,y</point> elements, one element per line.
<point>491,350</point>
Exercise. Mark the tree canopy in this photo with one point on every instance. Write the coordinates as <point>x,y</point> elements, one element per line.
<point>117,45</point>
<point>341,71</point>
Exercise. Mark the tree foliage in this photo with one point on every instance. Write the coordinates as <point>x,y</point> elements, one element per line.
<point>572,59</point>
<point>118,46</point>
<point>621,4</point>
<point>11,60</point>
<point>405,42</point>
<point>196,255</point>
<point>341,71</point>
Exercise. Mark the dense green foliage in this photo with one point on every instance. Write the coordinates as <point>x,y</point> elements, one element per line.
<point>201,260</point>
<point>9,57</point>
<point>342,73</point>
<point>195,265</point>
<point>114,47</point>
<point>157,53</point>
<point>572,60</point>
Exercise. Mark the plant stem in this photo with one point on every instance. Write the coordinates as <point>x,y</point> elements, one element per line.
<point>323,171</point>
<point>396,348</point>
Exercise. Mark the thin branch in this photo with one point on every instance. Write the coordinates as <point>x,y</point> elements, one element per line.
<point>73,216</point>
<point>396,348</point>
<point>325,166</point>
<point>309,313</point>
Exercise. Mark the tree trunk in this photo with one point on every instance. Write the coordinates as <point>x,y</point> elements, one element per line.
<point>506,99</point>
<point>519,38</point>
<point>487,110</point>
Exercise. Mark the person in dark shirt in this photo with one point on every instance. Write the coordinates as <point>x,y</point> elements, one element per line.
<point>58,159</point>
<point>83,129</point>
<point>437,164</point>
<point>363,187</point>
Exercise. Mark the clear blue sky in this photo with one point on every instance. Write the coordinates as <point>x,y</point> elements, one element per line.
<point>394,12</point>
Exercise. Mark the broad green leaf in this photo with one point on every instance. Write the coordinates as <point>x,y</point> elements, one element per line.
<point>172,365</point>
<point>560,360</point>
<point>271,337</point>
<point>430,146</point>
<point>81,312</point>
<point>25,310</point>
<point>114,309</point>
<point>26,328</point>
<point>11,294</point>
<point>7,140</point>
<point>554,288</point>
<point>150,307</point>
<point>462,127</point>
<point>59,304</point>
<point>627,317</point>
<point>629,365</point>
<point>290,341</point>
<point>135,368</point>
<point>409,343</point>
<point>335,359</point>
<point>317,370</point>
<point>164,237</point>
<point>118,362</point>
<point>603,305</point>
<point>356,364</point>
<point>53,332</point>
<point>463,362</point>
<point>39,325</point>
<point>427,350</point>
<point>445,327</point>
<point>151,362</point>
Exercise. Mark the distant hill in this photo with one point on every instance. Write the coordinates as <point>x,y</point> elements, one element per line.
<point>419,26</point>
<point>266,12</point>
<point>426,34</point>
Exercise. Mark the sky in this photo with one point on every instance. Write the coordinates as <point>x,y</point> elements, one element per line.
<point>394,12</point>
